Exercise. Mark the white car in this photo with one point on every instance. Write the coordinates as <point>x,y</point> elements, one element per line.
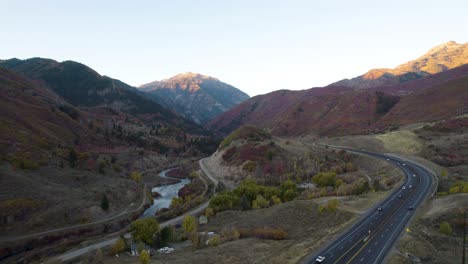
<point>411,186</point>
<point>403,164</point>
<point>414,175</point>
<point>404,188</point>
<point>319,259</point>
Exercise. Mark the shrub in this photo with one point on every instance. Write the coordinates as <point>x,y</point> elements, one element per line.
<point>214,241</point>
<point>324,179</point>
<point>209,212</point>
<point>332,205</point>
<point>24,163</point>
<point>275,200</point>
<point>116,168</point>
<point>264,233</point>
<point>445,228</point>
<point>118,247</point>
<point>144,257</point>
<point>104,203</point>
<point>230,234</point>
<point>72,157</point>
<point>260,202</point>
<point>289,195</point>
<point>136,176</point>
<point>250,166</point>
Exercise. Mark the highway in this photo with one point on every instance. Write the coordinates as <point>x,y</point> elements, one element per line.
<point>373,236</point>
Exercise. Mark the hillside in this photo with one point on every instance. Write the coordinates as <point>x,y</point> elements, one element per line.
<point>198,97</point>
<point>342,110</point>
<point>83,87</point>
<point>438,59</point>
<point>59,160</point>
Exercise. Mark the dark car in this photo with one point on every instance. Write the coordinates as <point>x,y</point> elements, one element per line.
<point>410,207</point>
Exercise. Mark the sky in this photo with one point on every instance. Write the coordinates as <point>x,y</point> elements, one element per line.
<point>256,46</point>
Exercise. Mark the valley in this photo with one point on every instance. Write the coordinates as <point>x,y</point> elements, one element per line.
<point>190,169</point>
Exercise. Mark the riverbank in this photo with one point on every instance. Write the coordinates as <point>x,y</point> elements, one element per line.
<point>166,192</point>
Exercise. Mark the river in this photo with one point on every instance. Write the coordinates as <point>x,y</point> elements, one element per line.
<point>167,192</point>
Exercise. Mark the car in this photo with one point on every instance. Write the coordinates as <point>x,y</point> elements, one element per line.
<point>379,209</point>
<point>410,207</point>
<point>403,188</point>
<point>319,259</point>
<point>403,164</point>
<point>414,175</point>
<point>388,159</point>
<point>399,196</point>
<point>411,186</point>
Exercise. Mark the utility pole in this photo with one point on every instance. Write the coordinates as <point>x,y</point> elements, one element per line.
<point>464,236</point>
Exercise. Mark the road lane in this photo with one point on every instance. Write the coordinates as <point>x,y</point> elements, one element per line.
<point>372,237</point>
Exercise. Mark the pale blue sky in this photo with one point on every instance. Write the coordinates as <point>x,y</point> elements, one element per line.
<point>257,46</point>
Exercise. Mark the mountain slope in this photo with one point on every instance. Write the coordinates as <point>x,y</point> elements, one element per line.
<point>82,86</point>
<point>344,110</point>
<point>438,59</point>
<point>198,97</point>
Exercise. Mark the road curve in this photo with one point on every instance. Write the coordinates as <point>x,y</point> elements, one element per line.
<point>81,251</point>
<point>373,236</point>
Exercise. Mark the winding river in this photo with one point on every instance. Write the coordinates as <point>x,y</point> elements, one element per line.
<point>167,192</point>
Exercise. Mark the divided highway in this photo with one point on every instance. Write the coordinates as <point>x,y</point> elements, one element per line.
<point>372,237</point>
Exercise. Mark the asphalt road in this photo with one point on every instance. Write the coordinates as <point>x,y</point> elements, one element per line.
<point>373,236</point>
<point>84,250</point>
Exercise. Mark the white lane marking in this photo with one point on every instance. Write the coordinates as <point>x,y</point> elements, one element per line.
<point>390,238</point>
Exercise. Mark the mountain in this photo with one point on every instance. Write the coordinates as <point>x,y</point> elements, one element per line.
<point>198,97</point>
<point>335,110</point>
<point>34,119</point>
<point>81,86</point>
<point>438,59</point>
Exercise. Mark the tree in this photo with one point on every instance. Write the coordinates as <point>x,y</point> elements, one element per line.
<point>209,212</point>
<point>104,203</point>
<point>324,179</point>
<point>118,247</point>
<point>166,235</point>
<point>144,230</point>
<point>144,257</point>
<point>189,224</point>
<point>195,239</point>
<point>72,157</point>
